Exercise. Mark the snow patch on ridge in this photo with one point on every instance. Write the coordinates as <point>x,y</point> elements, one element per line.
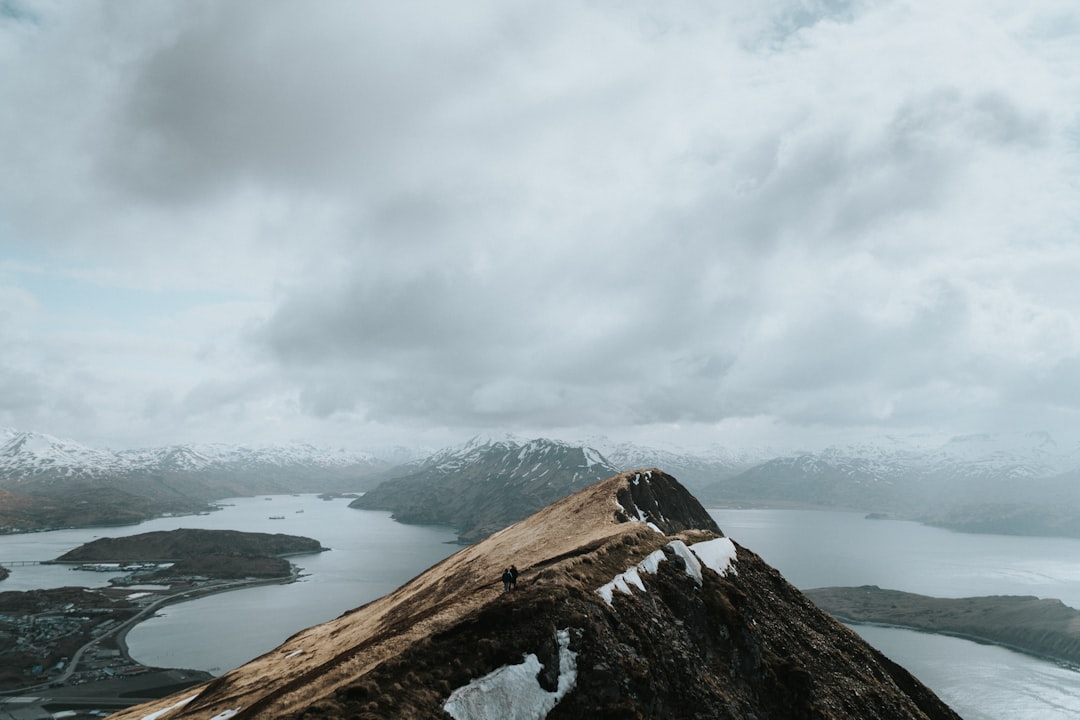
<point>513,692</point>
<point>718,555</point>
<point>155,715</point>
<point>693,567</point>
<point>624,580</point>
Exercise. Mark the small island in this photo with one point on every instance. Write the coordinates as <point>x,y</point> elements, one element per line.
<point>1044,628</point>
<point>68,642</point>
<point>222,554</point>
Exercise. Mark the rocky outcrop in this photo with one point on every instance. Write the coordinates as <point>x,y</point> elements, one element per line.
<point>629,605</point>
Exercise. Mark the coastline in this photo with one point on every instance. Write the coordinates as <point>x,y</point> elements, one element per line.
<point>981,640</point>
<point>139,682</point>
<point>1042,628</point>
<point>119,634</point>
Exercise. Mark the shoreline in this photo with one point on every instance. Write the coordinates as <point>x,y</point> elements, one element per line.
<point>1046,629</point>
<point>119,634</point>
<point>1062,662</point>
<point>117,637</point>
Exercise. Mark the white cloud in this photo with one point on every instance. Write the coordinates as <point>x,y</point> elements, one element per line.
<point>276,218</point>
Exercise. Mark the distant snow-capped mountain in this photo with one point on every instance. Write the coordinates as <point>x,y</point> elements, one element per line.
<point>486,483</point>
<point>29,455</point>
<point>693,468</point>
<point>514,456</point>
<point>1027,455</point>
<point>900,476</point>
<point>51,482</point>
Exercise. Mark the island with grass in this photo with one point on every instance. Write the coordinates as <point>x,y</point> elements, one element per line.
<point>1045,628</point>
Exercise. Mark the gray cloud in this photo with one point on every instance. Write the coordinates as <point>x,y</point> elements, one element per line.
<point>846,215</point>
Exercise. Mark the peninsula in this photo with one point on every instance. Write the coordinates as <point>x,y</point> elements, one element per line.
<point>64,648</point>
<point>1042,627</point>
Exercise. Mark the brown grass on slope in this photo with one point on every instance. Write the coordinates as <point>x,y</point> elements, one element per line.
<point>316,661</point>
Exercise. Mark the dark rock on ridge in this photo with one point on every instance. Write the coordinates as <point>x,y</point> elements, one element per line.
<point>658,499</point>
<point>629,605</point>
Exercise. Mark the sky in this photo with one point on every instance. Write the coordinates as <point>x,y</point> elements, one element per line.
<point>357,224</point>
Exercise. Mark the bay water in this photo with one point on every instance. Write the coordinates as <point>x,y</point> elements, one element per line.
<point>371,555</point>
<point>981,682</point>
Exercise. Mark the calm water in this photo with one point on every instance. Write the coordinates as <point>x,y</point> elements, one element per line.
<point>981,682</point>
<point>372,555</point>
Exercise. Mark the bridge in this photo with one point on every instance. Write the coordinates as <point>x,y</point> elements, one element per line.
<point>18,563</point>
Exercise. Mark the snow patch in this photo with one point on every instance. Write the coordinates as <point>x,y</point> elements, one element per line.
<point>652,561</point>
<point>693,567</point>
<point>593,458</point>
<point>294,653</point>
<point>718,554</point>
<point>624,580</point>
<point>225,715</point>
<point>155,715</point>
<point>644,517</point>
<point>513,692</point>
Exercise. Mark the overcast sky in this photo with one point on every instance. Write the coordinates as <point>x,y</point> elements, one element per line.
<point>354,223</point>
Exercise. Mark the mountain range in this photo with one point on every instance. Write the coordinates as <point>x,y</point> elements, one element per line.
<point>50,482</point>
<point>34,457</point>
<point>631,603</point>
<point>1011,485</point>
<point>1021,484</point>
<point>1016,484</point>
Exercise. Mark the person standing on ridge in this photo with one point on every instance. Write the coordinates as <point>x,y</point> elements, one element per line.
<point>513,577</point>
<point>508,580</point>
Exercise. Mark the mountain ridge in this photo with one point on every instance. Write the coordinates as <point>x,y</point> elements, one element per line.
<point>631,604</point>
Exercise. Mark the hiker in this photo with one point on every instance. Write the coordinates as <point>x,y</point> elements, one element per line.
<point>513,577</point>
<point>508,580</point>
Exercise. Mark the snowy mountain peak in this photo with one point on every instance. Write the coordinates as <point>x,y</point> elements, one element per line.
<point>484,440</point>
<point>510,452</point>
<point>29,453</point>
